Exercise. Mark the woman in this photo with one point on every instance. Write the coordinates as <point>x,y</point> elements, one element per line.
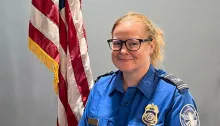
<point>138,93</point>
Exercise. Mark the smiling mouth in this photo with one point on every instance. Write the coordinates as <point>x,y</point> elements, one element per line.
<point>125,59</point>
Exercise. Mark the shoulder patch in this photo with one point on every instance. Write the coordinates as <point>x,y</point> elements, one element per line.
<point>176,81</point>
<point>189,116</point>
<point>106,74</point>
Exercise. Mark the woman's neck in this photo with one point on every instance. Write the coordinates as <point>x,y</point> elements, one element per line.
<point>133,78</point>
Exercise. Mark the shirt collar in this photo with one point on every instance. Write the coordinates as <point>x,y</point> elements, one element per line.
<point>118,83</point>
<point>147,85</point>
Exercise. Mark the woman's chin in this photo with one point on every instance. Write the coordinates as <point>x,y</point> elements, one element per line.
<point>125,68</point>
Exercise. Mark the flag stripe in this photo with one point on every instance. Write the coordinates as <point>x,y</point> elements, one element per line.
<point>75,8</point>
<point>48,8</point>
<point>56,2</point>
<point>73,89</point>
<point>76,12</point>
<point>61,118</point>
<point>64,67</point>
<point>45,25</point>
<point>84,32</point>
<point>43,42</point>
<point>75,103</point>
<point>75,55</point>
<point>71,119</point>
<point>63,32</point>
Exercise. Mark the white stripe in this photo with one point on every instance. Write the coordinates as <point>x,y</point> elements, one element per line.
<point>76,12</point>
<point>182,85</point>
<point>61,110</point>
<point>45,25</point>
<point>62,119</point>
<point>74,97</point>
<point>73,94</point>
<point>63,62</point>
<point>86,62</point>
<point>181,88</point>
<point>62,15</point>
<point>168,75</point>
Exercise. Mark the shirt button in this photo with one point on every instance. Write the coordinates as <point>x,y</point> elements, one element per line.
<point>126,104</point>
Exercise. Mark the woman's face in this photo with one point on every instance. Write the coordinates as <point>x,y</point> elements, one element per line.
<point>131,61</point>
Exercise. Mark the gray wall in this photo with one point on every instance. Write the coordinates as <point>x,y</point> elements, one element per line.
<point>192,47</point>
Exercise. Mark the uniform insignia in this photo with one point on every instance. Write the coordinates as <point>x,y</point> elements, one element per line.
<point>106,74</point>
<point>189,116</point>
<point>150,115</point>
<point>176,82</point>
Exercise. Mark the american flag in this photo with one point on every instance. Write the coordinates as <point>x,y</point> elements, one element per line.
<point>57,37</point>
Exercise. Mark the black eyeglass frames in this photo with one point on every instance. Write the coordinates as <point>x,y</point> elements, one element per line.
<point>132,44</point>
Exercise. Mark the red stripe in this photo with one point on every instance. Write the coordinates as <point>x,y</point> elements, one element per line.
<point>48,46</point>
<point>80,2</point>
<point>71,119</point>
<point>63,35</point>
<point>75,55</point>
<point>48,8</point>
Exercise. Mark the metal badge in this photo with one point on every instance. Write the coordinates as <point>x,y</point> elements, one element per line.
<point>150,115</point>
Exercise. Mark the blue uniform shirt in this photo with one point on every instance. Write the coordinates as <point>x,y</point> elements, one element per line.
<point>154,101</point>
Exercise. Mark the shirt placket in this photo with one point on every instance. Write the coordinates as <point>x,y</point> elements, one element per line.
<point>125,106</point>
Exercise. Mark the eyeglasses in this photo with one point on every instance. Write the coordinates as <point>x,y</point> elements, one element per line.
<point>131,44</point>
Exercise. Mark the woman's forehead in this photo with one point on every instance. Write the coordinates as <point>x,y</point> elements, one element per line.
<point>129,28</point>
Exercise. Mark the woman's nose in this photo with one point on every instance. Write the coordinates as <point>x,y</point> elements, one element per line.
<point>123,48</point>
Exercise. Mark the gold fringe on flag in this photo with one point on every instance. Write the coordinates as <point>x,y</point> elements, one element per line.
<point>51,64</point>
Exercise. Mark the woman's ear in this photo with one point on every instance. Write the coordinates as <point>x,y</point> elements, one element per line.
<point>152,45</point>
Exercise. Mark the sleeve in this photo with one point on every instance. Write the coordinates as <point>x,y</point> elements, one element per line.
<point>183,111</point>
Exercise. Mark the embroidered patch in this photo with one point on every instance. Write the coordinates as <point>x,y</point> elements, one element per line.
<point>189,116</point>
<point>150,115</point>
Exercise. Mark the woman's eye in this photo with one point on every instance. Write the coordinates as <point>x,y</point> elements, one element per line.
<point>116,43</point>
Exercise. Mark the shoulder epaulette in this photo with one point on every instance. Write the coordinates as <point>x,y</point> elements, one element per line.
<point>176,81</point>
<point>106,74</point>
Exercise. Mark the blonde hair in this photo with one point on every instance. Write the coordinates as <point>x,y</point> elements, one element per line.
<point>152,31</point>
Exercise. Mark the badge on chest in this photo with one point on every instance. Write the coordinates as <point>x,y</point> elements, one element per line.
<point>150,115</point>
